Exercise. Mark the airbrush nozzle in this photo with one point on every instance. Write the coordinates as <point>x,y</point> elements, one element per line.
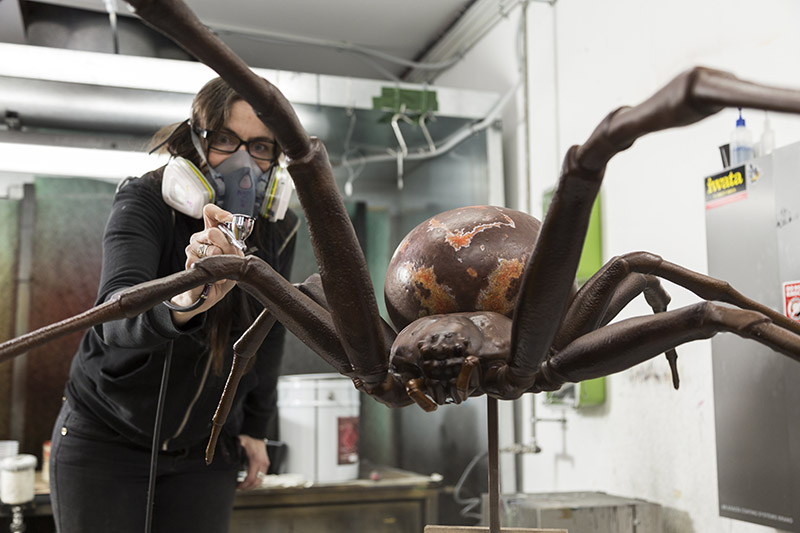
<point>238,229</point>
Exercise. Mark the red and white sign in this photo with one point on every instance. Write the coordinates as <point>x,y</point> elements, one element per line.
<point>791,299</point>
<point>348,440</point>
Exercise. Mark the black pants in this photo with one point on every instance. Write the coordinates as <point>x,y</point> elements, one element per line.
<point>98,482</point>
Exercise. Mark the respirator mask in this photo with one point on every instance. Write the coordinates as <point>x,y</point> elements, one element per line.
<point>237,185</point>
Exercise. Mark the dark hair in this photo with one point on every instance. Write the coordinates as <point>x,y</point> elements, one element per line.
<point>211,108</point>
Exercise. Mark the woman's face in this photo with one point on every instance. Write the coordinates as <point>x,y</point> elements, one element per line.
<point>244,124</point>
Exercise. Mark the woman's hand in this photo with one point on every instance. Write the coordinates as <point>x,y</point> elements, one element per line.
<point>210,241</point>
<point>257,461</point>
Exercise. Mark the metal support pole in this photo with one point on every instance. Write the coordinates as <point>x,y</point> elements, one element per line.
<point>494,475</point>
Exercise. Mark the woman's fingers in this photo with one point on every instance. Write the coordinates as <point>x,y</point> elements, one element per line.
<point>210,241</point>
<point>214,215</point>
<point>207,243</point>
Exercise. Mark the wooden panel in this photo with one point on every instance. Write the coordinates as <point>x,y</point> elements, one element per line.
<point>462,529</point>
<point>381,517</point>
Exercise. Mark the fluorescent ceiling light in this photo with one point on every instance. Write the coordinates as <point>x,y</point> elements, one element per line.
<point>60,161</point>
<point>37,62</point>
<point>177,76</point>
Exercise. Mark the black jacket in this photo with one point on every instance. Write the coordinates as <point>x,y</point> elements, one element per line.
<point>115,375</point>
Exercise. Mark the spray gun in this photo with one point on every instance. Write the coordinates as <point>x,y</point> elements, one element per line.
<point>238,229</point>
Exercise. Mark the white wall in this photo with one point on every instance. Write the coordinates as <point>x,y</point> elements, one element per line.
<point>483,71</point>
<point>648,441</point>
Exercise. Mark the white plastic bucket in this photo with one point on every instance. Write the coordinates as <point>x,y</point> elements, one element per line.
<point>17,479</point>
<point>318,420</point>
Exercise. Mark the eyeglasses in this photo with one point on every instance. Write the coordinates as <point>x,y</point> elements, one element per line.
<point>228,143</point>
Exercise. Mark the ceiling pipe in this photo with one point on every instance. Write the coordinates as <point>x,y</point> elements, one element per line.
<point>339,46</point>
<point>478,20</point>
<point>455,139</point>
<point>91,108</point>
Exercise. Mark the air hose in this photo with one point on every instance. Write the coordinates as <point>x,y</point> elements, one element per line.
<point>162,394</point>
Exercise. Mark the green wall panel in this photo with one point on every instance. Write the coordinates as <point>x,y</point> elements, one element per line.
<point>70,216</point>
<point>592,253</point>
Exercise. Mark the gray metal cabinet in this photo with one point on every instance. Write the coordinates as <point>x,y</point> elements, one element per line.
<point>753,240</point>
<point>580,512</point>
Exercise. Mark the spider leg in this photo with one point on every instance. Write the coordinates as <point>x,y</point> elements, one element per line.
<point>630,342</point>
<point>342,266</point>
<point>650,286</point>
<point>178,22</point>
<point>672,359</point>
<point>464,380</point>
<point>604,295</point>
<point>705,287</point>
<point>299,313</point>
<point>124,304</point>
<point>547,281</point>
<point>312,287</point>
<point>414,389</point>
<point>656,297</point>
<point>243,351</point>
<point>702,285</point>
<point>597,297</point>
<point>248,343</point>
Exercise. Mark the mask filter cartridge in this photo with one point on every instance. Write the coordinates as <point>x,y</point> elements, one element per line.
<point>185,188</point>
<point>277,195</point>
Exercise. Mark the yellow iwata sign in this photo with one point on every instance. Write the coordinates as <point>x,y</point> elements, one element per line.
<point>726,187</point>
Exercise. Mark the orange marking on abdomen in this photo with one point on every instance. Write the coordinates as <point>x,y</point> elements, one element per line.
<point>495,296</point>
<point>463,238</point>
<point>433,297</point>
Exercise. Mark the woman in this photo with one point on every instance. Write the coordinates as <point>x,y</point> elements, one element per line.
<point>101,444</point>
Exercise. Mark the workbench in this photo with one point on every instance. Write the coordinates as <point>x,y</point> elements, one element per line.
<point>395,501</point>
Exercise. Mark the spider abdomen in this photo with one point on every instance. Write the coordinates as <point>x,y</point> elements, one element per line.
<point>464,260</point>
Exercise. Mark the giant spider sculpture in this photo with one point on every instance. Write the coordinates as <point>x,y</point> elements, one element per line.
<point>486,296</point>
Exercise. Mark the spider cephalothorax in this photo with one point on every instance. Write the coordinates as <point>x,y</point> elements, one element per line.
<point>444,356</point>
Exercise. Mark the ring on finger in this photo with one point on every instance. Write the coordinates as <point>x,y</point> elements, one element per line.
<point>201,251</point>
